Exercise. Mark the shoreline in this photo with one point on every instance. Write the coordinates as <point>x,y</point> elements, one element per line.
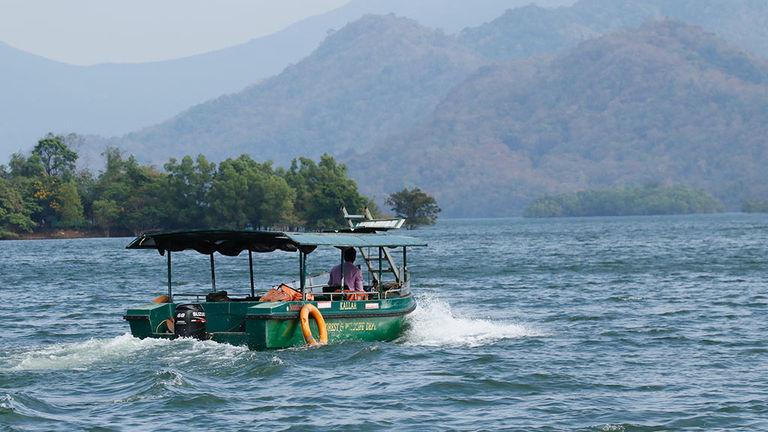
<point>59,234</point>
<point>79,234</point>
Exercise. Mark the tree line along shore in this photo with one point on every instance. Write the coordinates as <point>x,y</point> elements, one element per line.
<point>648,200</point>
<point>43,195</point>
<point>626,201</point>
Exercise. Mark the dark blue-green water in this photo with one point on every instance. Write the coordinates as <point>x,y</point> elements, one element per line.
<point>636,324</point>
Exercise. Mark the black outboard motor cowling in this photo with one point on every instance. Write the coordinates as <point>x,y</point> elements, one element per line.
<point>189,321</point>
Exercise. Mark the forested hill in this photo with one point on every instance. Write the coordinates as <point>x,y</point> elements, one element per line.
<point>377,75</point>
<point>533,30</point>
<point>405,105</point>
<point>666,102</point>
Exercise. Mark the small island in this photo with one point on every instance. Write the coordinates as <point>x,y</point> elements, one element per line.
<point>625,201</point>
<point>755,206</point>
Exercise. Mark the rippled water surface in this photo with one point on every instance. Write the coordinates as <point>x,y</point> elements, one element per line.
<point>571,324</point>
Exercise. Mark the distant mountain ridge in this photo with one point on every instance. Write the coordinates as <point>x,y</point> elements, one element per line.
<point>533,30</point>
<point>40,95</point>
<point>666,103</point>
<point>376,75</point>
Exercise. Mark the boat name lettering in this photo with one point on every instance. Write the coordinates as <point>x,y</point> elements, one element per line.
<point>347,305</point>
<point>354,326</point>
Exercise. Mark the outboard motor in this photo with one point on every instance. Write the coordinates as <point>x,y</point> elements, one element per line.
<point>189,321</point>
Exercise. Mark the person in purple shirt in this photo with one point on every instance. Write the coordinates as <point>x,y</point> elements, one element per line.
<point>353,277</point>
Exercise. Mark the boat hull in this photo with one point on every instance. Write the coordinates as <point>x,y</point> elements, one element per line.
<point>274,325</point>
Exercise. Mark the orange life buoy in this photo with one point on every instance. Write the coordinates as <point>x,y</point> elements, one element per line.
<point>306,310</point>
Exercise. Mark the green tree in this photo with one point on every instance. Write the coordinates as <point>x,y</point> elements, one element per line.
<point>321,189</point>
<point>47,183</point>
<point>14,214</point>
<point>146,206</point>
<point>187,187</point>
<point>247,193</point>
<point>415,205</point>
<point>86,188</point>
<point>106,213</point>
<point>57,159</point>
<point>68,206</point>
<point>131,197</point>
<point>22,166</point>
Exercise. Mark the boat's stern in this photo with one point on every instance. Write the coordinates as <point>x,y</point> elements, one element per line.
<point>272,325</point>
<point>150,320</point>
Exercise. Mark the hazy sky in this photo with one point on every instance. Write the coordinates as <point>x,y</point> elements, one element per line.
<point>95,31</point>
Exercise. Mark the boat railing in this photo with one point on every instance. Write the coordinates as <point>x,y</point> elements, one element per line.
<point>315,285</point>
<point>320,296</point>
<point>369,295</point>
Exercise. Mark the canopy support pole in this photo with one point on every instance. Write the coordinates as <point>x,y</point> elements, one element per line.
<point>250,267</point>
<point>404,276</point>
<point>170,290</point>
<point>381,252</point>
<point>342,269</point>
<point>213,274</point>
<point>303,273</point>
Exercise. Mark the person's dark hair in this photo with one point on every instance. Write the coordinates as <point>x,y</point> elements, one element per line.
<point>350,254</point>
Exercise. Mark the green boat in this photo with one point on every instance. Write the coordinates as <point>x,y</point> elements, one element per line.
<point>261,322</point>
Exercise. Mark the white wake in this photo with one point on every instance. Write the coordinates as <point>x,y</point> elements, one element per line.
<point>433,323</point>
<point>79,355</point>
<point>121,349</point>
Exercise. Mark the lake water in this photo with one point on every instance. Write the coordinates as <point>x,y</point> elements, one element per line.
<point>595,324</point>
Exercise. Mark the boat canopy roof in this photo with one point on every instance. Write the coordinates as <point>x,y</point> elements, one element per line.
<point>232,243</point>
